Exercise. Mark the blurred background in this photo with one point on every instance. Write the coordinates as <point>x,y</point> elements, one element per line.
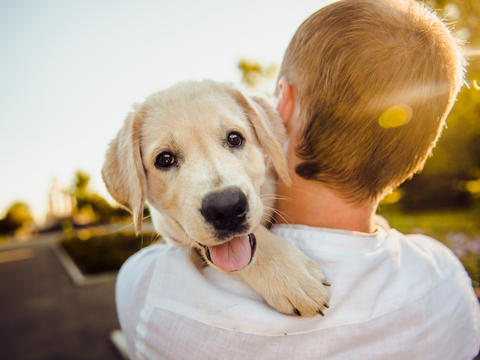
<point>70,73</point>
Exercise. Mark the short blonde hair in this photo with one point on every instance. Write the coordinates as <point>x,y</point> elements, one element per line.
<point>352,64</point>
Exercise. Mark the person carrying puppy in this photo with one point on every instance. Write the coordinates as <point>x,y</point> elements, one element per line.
<point>364,90</point>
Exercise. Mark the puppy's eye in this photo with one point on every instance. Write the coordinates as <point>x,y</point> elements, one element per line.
<point>235,139</point>
<point>164,160</point>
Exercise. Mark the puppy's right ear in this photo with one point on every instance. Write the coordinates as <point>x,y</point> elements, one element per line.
<point>123,171</point>
<point>269,129</point>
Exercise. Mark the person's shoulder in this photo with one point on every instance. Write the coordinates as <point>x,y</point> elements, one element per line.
<point>143,257</point>
<point>433,264</point>
<point>138,263</point>
<point>426,248</point>
<point>451,290</point>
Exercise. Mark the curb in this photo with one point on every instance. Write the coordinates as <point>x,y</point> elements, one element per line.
<point>75,274</point>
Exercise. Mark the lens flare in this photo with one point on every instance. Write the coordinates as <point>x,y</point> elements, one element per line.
<point>475,85</point>
<point>395,116</point>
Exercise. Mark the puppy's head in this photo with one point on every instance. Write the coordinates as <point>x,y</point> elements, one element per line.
<point>197,152</point>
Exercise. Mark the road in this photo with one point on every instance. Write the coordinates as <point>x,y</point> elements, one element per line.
<point>43,315</point>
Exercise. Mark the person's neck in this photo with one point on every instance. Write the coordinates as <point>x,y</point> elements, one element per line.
<point>312,204</point>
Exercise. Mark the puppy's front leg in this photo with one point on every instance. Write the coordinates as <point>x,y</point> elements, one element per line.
<point>289,281</point>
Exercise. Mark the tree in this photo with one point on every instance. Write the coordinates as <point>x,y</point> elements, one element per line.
<point>93,205</point>
<point>447,177</point>
<point>17,215</point>
<point>256,76</point>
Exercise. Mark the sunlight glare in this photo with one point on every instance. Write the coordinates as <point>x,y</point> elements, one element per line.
<point>475,85</point>
<point>472,53</point>
<point>395,116</point>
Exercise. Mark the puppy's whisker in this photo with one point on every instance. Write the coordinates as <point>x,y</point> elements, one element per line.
<point>275,198</point>
<point>280,214</point>
<point>126,226</point>
<point>156,238</point>
<point>275,221</point>
<point>197,256</point>
<point>120,229</point>
<point>271,195</point>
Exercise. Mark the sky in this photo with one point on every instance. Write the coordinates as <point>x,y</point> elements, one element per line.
<point>70,71</point>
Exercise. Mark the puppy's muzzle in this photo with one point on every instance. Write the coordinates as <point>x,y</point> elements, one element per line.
<point>226,210</point>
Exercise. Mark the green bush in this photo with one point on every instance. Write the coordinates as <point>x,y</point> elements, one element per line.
<point>107,252</point>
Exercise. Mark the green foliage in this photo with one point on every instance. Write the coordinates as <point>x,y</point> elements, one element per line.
<point>456,158</point>
<point>17,215</point>
<point>436,224</point>
<point>463,14</point>
<point>93,205</point>
<point>255,75</point>
<point>80,183</point>
<point>104,252</point>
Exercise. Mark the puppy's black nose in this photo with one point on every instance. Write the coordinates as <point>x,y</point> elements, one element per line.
<point>225,210</point>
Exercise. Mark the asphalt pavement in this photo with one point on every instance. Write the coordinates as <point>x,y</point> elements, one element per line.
<point>43,315</point>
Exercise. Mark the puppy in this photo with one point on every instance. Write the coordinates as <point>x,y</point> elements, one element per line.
<point>201,154</point>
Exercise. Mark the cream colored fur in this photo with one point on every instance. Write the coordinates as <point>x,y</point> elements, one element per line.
<point>192,120</point>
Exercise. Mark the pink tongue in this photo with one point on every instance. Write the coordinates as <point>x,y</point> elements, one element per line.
<point>232,255</point>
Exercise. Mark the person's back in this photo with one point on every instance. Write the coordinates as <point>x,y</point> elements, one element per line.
<point>393,297</point>
<point>364,91</point>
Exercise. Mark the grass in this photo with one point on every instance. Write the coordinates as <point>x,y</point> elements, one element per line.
<point>458,229</point>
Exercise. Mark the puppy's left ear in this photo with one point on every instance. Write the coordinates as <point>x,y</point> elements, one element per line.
<point>269,129</point>
<point>123,171</point>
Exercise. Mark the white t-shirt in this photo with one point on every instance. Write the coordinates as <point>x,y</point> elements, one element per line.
<point>392,297</point>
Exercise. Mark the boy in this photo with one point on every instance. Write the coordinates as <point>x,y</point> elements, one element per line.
<point>364,90</point>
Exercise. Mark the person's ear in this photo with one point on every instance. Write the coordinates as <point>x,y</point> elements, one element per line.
<point>286,101</point>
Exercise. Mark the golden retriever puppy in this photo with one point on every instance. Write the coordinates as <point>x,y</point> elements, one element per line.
<point>202,154</point>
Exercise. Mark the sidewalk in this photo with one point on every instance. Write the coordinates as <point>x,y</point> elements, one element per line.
<point>44,316</point>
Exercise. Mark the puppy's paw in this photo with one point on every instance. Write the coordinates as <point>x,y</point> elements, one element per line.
<point>298,289</point>
<point>289,281</point>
